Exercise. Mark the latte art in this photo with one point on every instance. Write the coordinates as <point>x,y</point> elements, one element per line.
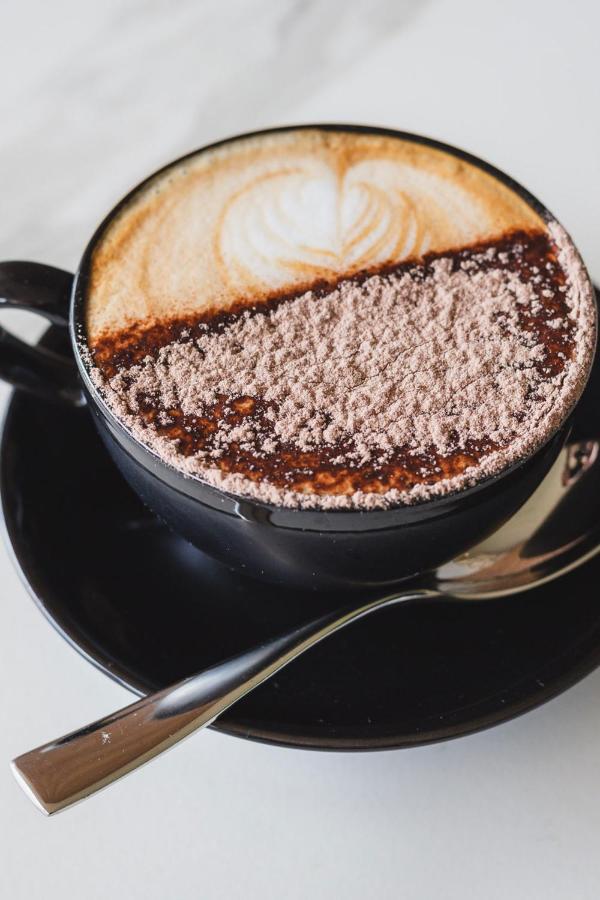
<point>278,213</point>
<point>319,222</point>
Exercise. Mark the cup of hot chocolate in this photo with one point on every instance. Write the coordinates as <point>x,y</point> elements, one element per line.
<point>327,355</point>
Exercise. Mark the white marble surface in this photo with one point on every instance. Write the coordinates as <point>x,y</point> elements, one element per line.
<point>92,97</point>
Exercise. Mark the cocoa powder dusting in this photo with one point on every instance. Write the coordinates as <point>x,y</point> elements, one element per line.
<point>387,390</point>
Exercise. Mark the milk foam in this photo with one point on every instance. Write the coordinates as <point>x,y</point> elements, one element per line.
<point>282,211</point>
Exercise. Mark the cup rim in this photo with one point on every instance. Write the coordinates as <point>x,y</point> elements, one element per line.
<point>442,502</point>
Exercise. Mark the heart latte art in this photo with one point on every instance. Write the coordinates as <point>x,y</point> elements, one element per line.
<point>313,221</point>
<point>280,212</point>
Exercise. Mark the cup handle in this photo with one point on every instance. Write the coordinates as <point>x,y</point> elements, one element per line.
<point>44,290</point>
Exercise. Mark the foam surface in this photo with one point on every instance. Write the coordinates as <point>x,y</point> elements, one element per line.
<point>278,213</point>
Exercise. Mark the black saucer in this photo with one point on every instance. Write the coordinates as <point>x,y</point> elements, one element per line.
<point>147,609</point>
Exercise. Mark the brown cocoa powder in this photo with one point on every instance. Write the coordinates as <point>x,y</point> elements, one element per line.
<point>437,363</point>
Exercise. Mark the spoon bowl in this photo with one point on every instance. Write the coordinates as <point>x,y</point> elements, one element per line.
<point>555,531</point>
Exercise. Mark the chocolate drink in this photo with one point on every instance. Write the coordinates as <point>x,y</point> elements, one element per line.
<point>336,320</point>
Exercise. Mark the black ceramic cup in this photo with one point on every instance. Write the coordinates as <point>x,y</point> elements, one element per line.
<point>315,549</point>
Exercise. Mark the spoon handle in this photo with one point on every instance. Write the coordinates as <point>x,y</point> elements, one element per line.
<point>70,768</point>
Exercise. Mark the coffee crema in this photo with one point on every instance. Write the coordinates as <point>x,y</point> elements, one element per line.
<point>330,319</point>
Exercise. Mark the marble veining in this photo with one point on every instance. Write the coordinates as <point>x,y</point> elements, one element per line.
<point>150,82</point>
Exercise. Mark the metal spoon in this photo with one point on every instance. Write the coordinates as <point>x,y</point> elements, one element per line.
<point>556,530</point>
